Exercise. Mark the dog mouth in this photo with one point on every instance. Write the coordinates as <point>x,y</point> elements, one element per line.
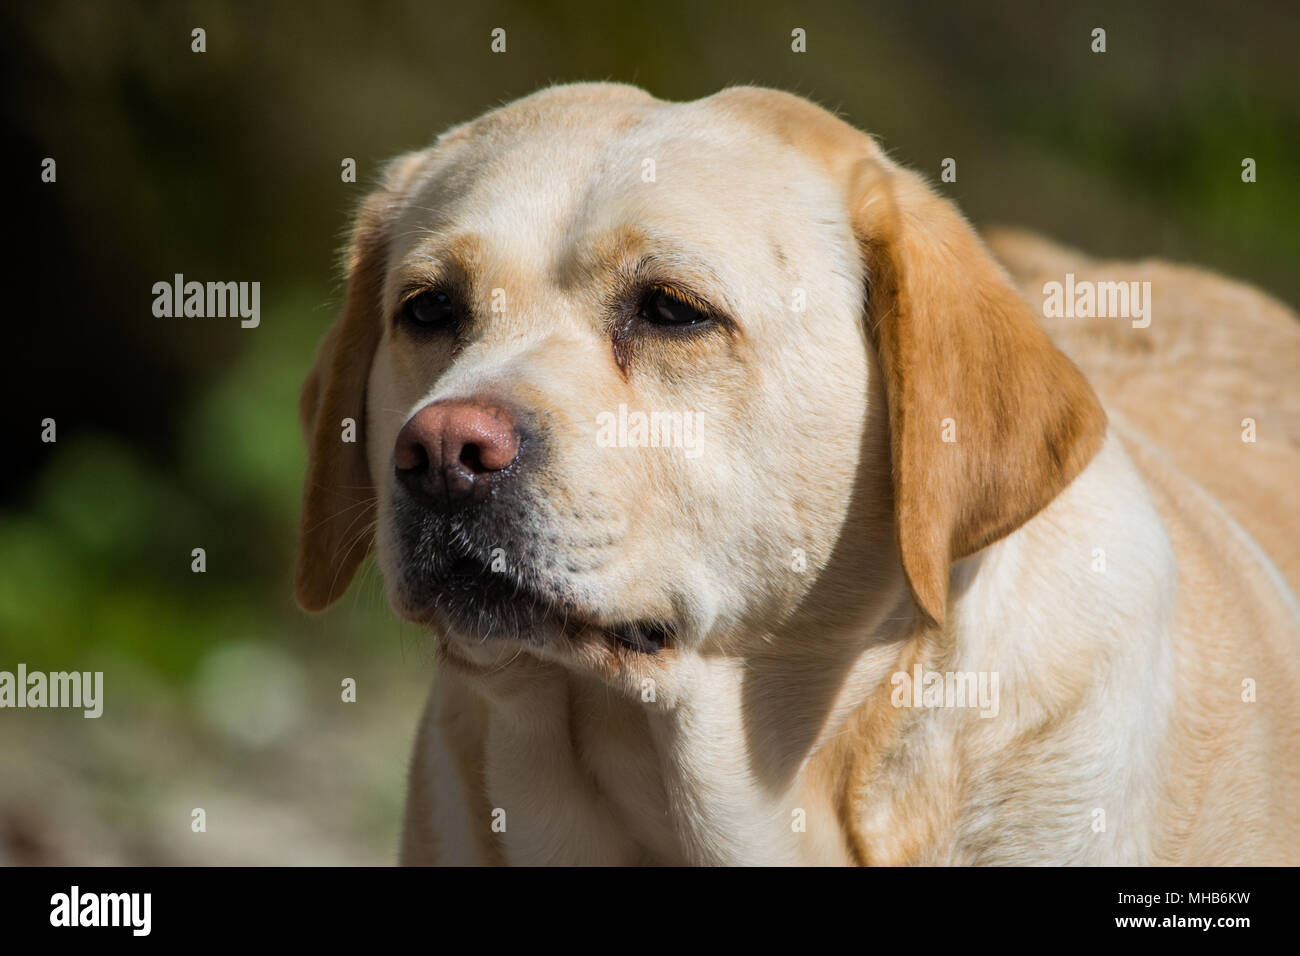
<point>470,600</point>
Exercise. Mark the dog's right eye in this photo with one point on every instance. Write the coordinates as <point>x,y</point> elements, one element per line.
<point>429,311</point>
<point>664,307</point>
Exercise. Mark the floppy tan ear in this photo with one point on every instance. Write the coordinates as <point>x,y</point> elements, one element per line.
<point>988,420</point>
<point>962,356</point>
<point>338,500</point>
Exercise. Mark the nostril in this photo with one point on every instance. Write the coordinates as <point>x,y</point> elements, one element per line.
<point>471,456</point>
<point>412,457</point>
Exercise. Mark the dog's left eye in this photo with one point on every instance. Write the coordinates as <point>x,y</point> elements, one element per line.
<point>662,307</point>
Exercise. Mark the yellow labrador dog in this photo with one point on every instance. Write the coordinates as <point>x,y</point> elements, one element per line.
<point>759,520</point>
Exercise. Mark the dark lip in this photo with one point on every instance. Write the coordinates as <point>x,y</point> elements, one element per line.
<point>476,601</point>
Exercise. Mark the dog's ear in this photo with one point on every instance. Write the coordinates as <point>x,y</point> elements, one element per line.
<point>988,420</point>
<point>338,500</point>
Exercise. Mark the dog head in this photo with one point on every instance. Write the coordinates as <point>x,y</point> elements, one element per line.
<point>624,374</point>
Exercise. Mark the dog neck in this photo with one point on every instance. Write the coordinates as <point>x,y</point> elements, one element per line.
<point>697,756</point>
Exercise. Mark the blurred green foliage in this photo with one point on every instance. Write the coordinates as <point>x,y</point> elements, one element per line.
<point>100,560</point>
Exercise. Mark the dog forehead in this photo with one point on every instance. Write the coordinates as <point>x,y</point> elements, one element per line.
<point>541,176</point>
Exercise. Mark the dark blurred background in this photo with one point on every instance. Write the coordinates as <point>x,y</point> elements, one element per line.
<point>225,165</point>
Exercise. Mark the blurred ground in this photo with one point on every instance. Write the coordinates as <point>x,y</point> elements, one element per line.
<point>323,786</point>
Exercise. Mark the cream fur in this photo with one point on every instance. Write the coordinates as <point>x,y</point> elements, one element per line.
<point>771,738</point>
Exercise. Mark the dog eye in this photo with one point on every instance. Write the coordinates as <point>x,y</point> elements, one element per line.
<point>662,307</point>
<point>430,310</point>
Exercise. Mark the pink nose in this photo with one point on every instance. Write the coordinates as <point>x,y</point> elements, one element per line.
<point>451,452</point>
